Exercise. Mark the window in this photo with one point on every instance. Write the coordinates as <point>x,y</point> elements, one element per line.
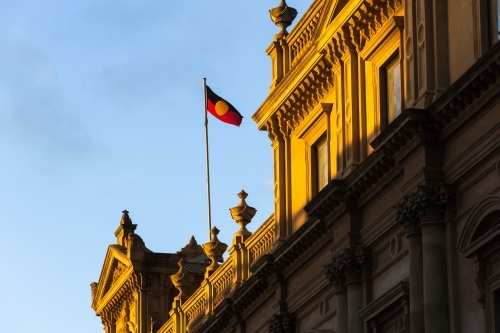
<point>496,310</point>
<point>320,160</point>
<point>393,90</point>
<point>390,91</point>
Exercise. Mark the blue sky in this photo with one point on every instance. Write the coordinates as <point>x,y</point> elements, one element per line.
<point>101,109</point>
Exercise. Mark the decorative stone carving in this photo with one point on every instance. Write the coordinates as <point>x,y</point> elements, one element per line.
<point>350,265</point>
<point>181,281</point>
<point>479,279</point>
<point>242,214</point>
<point>407,215</point>
<point>283,17</point>
<point>120,267</point>
<point>191,250</point>
<point>425,205</point>
<point>93,290</point>
<point>357,264</point>
<point>334,272</point>
<point>282,323</point>
<point>124,229</point>
<point>214,250</point>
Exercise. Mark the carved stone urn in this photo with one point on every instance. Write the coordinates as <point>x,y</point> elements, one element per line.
<point>283,17</point>
<point>242,214</point>
<point>181,281</point>
<point>214,250</point>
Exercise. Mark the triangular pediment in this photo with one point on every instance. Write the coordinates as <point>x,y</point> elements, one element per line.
<point>116,264</point>
<point>335,7</point>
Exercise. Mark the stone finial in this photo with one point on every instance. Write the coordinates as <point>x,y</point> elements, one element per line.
<point>283,17</point>
<point>214,250</point>
<point>193,242</point>
<point>242,214</point>
<point>192,250</point>
<point>181,281</point>
<point>124,229</point>
<point>125,218</point>
<point>93,289</point>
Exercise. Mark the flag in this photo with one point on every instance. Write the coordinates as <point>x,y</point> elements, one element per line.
<point>222,109</point>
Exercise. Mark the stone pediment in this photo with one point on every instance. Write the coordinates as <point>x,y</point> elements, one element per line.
<point>334,8</point>
<point>116,268</point>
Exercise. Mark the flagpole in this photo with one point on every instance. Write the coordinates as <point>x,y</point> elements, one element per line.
<point>208,164</point>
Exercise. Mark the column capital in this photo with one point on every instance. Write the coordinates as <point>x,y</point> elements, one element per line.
<point>282,323</point>
<point>334,273</point>
<point>434,203</point>
<point>348,266</point>
<point>407,215</point>
<point>428,204</point>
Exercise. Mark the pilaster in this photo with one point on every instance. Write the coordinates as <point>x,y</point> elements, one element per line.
<point>351,99</point>
<point>279,132</point>
<point>427,53</point>
<point>407,216</point>
<point>347,270</point>
<point>434,206</point>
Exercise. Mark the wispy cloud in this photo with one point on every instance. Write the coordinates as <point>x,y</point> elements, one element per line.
<point>34,109</point>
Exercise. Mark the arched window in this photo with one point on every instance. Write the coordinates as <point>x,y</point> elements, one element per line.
<point>480,241</point>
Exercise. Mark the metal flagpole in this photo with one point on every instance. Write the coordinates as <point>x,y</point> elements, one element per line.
<point>208,164</point>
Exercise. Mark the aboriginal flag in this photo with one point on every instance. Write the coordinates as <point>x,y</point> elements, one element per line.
<point>222,109</point>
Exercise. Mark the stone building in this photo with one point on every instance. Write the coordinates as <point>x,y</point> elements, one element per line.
<point>384,118</point>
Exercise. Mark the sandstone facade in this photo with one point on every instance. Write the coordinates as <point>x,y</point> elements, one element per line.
<point>384,118</point>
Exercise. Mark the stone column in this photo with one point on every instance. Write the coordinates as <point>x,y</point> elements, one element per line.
<point>355,304</point>
<point>347,270</point>
<point>410,220</point>
<point>435,281</point>
<point>357,268</point>
<point>334,273</point>
<point>342,318</point>
<point>431,202</point>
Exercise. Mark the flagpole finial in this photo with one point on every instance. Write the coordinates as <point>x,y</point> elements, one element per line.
<point>283,17</point>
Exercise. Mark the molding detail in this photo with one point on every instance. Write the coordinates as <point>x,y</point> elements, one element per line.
<point>466,242</point>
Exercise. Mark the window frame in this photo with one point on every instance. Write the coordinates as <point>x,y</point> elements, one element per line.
<point>323,139</point>
<point>383,49</point>
<point>384,87</point>
<point>313,133</point>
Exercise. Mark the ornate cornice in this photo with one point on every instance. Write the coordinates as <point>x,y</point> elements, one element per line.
<point>360,27</point>
<point>317,80</point>
<point>300,101</point>
<point>126,293</point>
<point>350,189</point>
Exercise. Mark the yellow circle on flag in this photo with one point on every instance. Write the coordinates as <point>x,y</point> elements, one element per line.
<point>221,107</point>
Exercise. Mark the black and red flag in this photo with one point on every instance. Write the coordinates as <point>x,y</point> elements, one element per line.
<point>222,109</point>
